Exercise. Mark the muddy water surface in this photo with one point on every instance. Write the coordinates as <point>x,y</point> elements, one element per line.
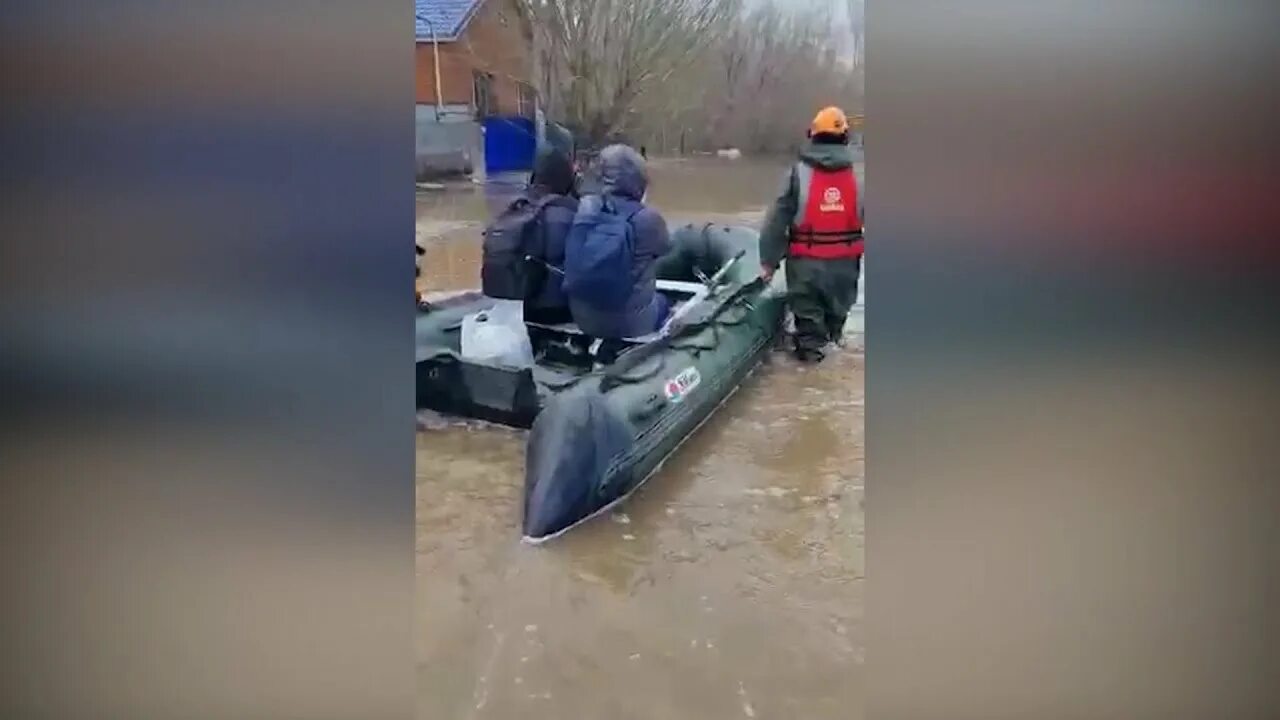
<point>729,586</point>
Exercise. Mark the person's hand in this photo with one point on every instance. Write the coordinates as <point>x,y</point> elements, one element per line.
<point>766,271</point>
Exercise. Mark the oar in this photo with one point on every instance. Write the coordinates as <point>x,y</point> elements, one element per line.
<point>714,281</point>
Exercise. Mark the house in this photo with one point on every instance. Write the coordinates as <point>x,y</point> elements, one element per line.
<point>476,109</point>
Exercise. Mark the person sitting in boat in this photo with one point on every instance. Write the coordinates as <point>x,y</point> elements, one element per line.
<point>816,225</point>
<point>524,246</point>
<point>612,251</point>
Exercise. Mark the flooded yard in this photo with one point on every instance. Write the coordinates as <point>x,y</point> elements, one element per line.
<point>729,586</point>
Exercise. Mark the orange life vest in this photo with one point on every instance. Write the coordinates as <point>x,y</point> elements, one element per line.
<point>828,226</point>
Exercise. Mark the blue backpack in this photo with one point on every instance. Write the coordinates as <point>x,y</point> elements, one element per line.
<point>600,252</point>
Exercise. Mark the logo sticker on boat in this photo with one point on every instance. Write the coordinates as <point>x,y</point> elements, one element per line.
<point>681,385</point>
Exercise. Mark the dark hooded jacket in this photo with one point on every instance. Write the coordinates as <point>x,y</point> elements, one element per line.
<point>775,236</point>
<point>559,138</point>
<point>552,175</point>
<point>620,172</point>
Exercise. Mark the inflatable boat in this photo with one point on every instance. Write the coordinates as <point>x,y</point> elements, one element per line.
<point>604,415</point>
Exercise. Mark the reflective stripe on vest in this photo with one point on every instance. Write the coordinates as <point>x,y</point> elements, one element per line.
<point>827,225</point>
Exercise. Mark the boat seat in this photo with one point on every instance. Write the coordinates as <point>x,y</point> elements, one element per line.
<point>692,293</point>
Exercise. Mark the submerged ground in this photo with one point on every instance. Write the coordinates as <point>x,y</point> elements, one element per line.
<point>729,586</point>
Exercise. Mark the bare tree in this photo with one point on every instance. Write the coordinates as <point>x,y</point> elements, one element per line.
<point>600,56</point>
<point>696,74</point>
<point>857,30</point>
<point>792,67</point>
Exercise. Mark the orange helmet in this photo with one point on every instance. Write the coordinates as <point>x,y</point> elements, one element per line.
<point>831,121</point>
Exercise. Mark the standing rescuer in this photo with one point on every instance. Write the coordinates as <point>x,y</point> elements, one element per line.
<point>816,225</point>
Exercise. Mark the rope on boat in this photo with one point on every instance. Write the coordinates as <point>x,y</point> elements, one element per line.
<point>574,380</point>
<point>613,380</point>
<point>687,340</point>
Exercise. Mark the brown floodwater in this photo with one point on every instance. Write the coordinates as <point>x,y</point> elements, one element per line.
<point>729,586</point>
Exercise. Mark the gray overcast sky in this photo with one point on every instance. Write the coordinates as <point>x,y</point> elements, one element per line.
<point>842,6</point>
<point>842,12</point>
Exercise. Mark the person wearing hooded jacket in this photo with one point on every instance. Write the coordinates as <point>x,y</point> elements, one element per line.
<point>816,226</point>
<point>620,172</point>
<point>553,174</point>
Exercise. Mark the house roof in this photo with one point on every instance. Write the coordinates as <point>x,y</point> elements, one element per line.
<point>448,17</point>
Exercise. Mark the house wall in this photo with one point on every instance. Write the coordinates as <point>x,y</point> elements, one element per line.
<point>447,143</point>
<point>497,41</point>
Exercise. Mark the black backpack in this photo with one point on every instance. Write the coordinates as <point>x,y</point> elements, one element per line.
<point>513,236</point>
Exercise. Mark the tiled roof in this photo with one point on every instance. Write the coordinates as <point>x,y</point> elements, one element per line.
<point>448,17</point>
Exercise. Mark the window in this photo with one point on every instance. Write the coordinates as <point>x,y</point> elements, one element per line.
<point>482,93</point>
<point>528,101</point>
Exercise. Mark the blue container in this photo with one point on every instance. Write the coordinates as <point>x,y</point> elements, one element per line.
<point>509,144</point>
